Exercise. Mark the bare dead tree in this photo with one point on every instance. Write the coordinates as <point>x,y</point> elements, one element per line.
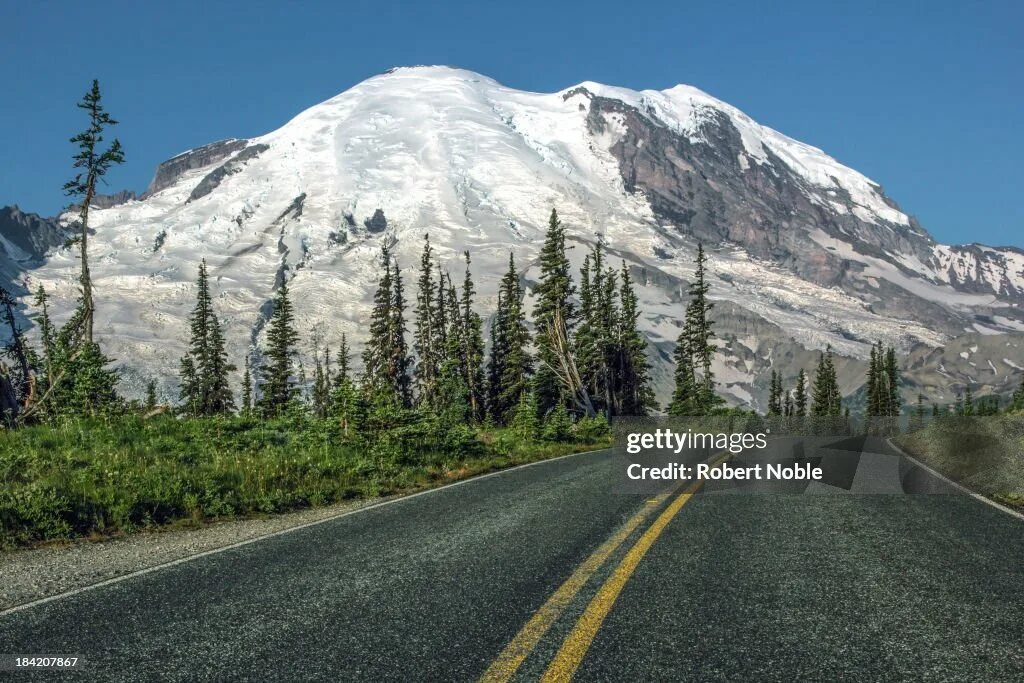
<point>565,369</point>
<point>17,345</point>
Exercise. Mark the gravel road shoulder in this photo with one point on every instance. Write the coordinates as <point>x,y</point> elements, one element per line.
<point>41,572</point>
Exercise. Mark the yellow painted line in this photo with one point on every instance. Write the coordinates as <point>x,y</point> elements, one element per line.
<point>565,663</point>
<point>508,662</point>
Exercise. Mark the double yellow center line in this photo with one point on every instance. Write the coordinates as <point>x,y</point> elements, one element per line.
<point>576,644</point>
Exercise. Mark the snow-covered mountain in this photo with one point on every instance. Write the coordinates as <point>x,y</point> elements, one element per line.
<point>805,251</point>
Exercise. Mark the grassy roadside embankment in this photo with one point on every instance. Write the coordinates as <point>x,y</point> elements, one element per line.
<point>105,478</point>
<point>983,454</point>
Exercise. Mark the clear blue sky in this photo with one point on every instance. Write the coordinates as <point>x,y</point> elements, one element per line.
<point>924,98</point>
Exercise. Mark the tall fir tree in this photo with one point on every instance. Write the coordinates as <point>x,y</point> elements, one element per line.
<point>874,382</point>
<point>348,403</point>
<point>377,352</point>
<point>1017,402</point>
<point>427,338</point>
<point>968,402</point>
<point>826,401</point>
<point>472,352</point>
<point>321,395</point>
<point>510,365</point>
<point>247,398</point>
<point>205,388</point>
<point>635,391</point>
<point>686,396</point>
<point>219,398</point>
<point>94,164</point>
<point>694,392</point>
<point>775,394</point>
<point>386,362</point>
<point>800,395</point>
<point>277,389</point>
<point>699,327</point>
<point>553,308</point>
<point>891,372</point>
<point>401,363</point>
<point>150,401</point>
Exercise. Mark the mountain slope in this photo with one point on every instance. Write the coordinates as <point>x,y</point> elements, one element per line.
<point>805,252</point>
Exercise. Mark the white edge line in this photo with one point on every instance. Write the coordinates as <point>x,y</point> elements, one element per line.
<point>961,487</point>
<point>280,532</point>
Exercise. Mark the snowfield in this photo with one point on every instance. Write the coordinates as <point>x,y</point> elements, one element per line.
<point>477,166</point>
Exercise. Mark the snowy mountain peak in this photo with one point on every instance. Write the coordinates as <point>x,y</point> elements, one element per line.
<point>805,251</point>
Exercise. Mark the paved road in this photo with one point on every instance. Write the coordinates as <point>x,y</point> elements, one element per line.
<point>547,569</point>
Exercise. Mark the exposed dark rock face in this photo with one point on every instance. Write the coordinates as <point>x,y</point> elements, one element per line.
<point>172,169</point>
<point>711,191</point>
<point>106,201</point>
<point>377,222</point>
<point>230,167</point>
<point>30,232</point>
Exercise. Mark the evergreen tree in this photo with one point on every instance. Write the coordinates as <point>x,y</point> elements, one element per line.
<point>917,417</point>
<point>891,372</point>
<point>525,423</point>
<point>586,340</point>
<point>883,395</point>
<point>472,352</point>
<point>93,390</point>
<point>597,344</point>
<point>554,307</point>
<point>47,338</point>
<point>826,399</point>
<point>219,398</point>
<point>344,373</point>
<point>686,398</point>
<point>800,395</point>
<point>385,357</point>
<point>788,406</point>
<point>347,402</point>
<point>699,328</point>
<point>278,386</point>
<point>150,402</point>
<point>775,394</point>
<point>1017,402</point>
<point>321,383</point>
<point>968,402</point>
<point>189,386</point>
<point>21,352</point>
<point>427,340</point>
<point>400,362</point>
<point>509,365</point>
<point>874,381</point>
<point>695,383</point>
<point>204,373</point>
<point>247,398</point>
<point>94,165</point>
<point>633,385</point>
<point>558,425</point>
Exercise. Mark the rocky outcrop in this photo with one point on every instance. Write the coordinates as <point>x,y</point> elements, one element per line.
<point>210,182</point>
<point>377,222</point>
<point>707,187</point>
<point>172,169</point>
<point>30,233</point>
<point>107,201</point>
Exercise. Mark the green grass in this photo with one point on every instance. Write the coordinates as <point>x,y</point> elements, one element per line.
<point>984,454</point>
<point>103,478</point>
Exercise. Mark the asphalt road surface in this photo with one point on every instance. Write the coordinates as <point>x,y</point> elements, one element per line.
<point>550,571</point>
